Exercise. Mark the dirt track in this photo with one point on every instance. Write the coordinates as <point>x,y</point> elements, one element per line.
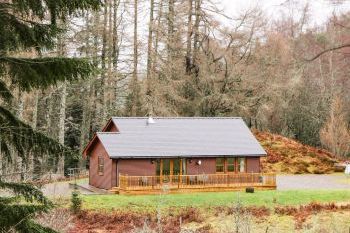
<point>332,181</point>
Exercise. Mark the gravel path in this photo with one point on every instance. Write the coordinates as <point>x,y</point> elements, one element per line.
<point>331,181</point>
<point>284,182</point>
<point>58,189</point>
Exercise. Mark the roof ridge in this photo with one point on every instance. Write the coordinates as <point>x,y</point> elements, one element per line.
<point>213,118</point>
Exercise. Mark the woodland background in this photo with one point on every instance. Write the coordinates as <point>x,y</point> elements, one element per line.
<point>180,58</point>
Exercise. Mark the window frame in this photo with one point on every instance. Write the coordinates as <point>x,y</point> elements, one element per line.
<point>223,165</point>
<point>239,165</point>
<point>100,165</point>
<point>235,164</point>
<point>230,164</point>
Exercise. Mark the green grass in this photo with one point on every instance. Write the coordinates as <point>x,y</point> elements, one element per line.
<point>211,199</point>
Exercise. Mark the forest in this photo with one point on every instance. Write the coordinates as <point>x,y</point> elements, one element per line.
<point>67,66</point>
<point>285,75</point>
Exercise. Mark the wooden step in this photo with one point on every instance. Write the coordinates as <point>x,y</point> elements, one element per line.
<point>114,190</point>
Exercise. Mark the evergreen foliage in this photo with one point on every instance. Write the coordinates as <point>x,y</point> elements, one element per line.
<point>27,25</point>
<point>76,202</point>
<point>17,210</point>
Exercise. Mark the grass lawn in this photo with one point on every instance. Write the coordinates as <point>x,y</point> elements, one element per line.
<point>211,199</point>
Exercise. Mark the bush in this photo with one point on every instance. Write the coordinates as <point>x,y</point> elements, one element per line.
<point>76,202</point>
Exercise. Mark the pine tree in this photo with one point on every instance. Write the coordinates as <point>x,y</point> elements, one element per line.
<point>24,26</point>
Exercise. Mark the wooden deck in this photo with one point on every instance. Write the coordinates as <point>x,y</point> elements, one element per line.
<point>193,183</point>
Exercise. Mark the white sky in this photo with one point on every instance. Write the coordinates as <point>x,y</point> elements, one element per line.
<point>320,10</point>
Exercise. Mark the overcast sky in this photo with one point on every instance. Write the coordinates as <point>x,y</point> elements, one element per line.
<point>320,10</point>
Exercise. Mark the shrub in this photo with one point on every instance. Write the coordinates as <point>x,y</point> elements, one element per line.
<point>76,202</point>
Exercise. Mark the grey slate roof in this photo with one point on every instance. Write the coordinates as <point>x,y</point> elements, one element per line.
<point>180,137</point>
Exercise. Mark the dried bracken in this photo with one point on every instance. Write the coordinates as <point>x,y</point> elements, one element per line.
<point>302,212</point>
<point>244,217</point>
<point>133,222</point>
<point>191,214</point>
<point>107,222</point>
<point>285,155</point>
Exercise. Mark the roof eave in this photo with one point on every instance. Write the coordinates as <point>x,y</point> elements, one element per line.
<point>184,156</point>
<point>87,147</point>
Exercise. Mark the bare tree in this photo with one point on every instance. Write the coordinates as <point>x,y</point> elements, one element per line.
<point>335,135</point>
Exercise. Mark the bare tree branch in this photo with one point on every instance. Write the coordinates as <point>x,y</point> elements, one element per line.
<point>328,50</point>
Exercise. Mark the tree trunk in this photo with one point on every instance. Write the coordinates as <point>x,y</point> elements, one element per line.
<point>189,38</point>
<point>96,106</point>
<point>150,59</point>
<point>157,32</point>
<point>34,126</point>
<point>48,114</point>
<point>135,59</point>
<point>61,126</point>
<point>62,112</point>
<point>150,42</point>
<point>115,48</point>
<point>103,63</point>
<point>196,29</point>
<point>108,83</point>
<point>170,44</point>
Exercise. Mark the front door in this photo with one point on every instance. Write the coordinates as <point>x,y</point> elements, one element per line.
<point>170,169</point>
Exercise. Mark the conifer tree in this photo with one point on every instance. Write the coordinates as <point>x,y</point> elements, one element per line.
<point>27,25</point>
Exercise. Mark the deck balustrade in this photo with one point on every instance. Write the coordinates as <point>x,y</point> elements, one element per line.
<point>200,181</point>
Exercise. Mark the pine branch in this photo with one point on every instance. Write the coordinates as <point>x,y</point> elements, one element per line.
<point>29,73</point>
<point>22,21</point>
<point>33,227</point>
<point>23,27</point>
<point>59,9</point>
<point>23,139</point>
<point>18,216</point>
<point>16,213</point>
<point>5,93</point>
<point>29,192</point>
<point>17,33</point>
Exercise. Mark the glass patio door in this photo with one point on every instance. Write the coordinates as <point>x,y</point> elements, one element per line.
<point>169,169</point>
<point>166,170</point>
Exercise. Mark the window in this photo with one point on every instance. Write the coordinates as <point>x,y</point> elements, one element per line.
<point>184,166</point>
<point>220,164</point>
<point>100,165</point>
<point>158,167</point>
<point>230,164</point>
<point>241,164</point>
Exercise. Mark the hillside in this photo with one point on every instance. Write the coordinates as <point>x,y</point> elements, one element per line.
<point>289,156</point>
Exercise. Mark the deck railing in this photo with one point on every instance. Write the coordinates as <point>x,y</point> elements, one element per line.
<point>197,181</point>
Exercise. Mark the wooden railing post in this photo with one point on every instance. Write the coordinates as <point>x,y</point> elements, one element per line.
<point>126,182</point>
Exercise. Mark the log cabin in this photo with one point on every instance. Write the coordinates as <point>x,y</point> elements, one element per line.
<point>176,154</point>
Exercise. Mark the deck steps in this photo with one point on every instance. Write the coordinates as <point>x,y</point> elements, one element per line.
<point>114,190</point>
